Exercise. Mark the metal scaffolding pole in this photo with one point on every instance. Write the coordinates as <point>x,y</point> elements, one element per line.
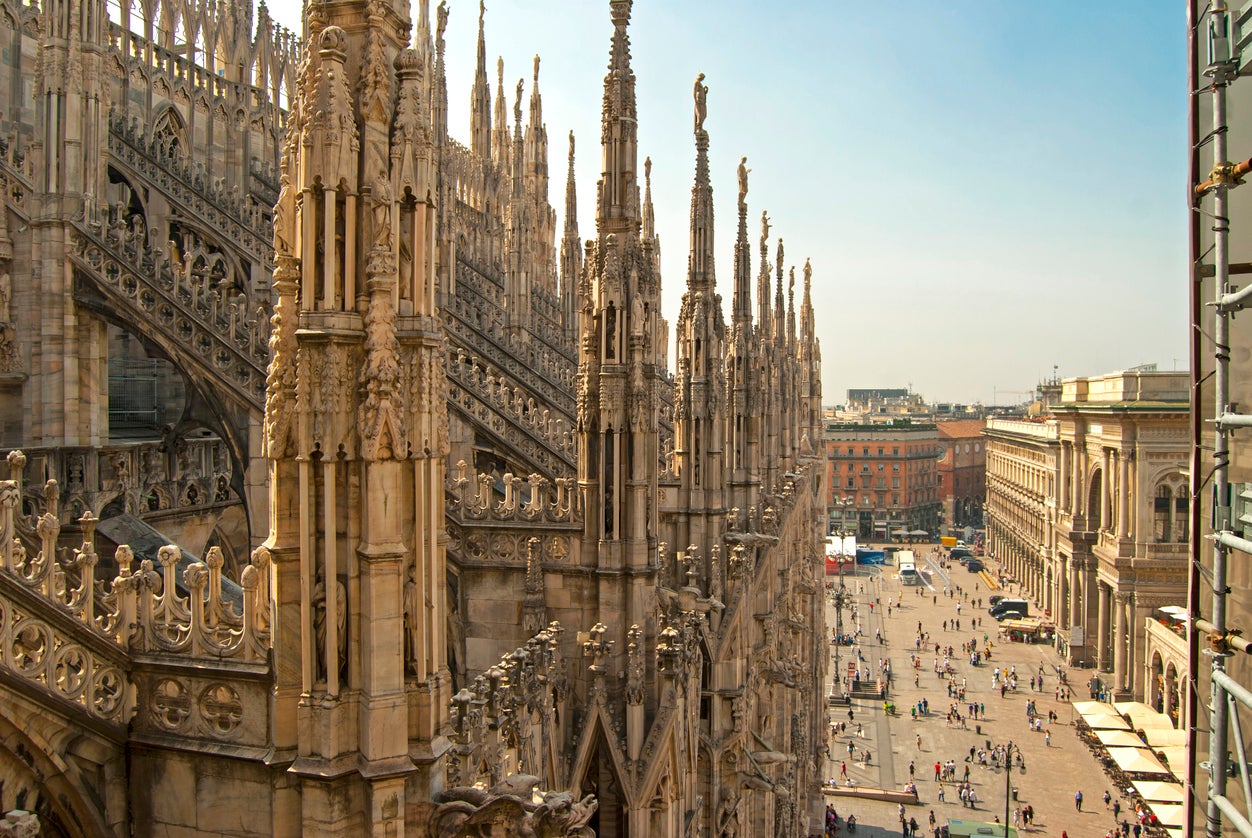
<point>1222,70</point>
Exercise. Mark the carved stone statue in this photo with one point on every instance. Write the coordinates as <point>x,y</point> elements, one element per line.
<point>380,200</point>
<point>441,18</point>
<point>412,616</point>
<point>701,93</point>
<point>6,296</point>
<point>764,229</point>
<point>282,219</point>
<point>743,179</point>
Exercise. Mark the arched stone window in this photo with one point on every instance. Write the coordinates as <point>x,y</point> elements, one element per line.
<point>1094,499</point>
<point>1169,510</point>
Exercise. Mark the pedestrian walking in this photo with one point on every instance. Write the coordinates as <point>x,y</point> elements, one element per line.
<point>843,770</point>
<point>919,742</point>
<point>1107,799</point>
<point>1078,800</point>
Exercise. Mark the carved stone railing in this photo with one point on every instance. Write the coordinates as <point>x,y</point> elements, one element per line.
<point>479,335</point>
<point>480,301</point>
<point>503,721</point>
<point>532,499</point>
<point>527,446</point>
<point>227,335</point>
<point>140,611</point>
<point>238,219</point>
<point>144,477</point>
<point>549,427</point>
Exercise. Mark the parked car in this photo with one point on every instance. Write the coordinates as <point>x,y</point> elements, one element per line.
<point>973,565</point>
<point>992,600</point>
<point>1008,614</point>
<point>1009,605</point>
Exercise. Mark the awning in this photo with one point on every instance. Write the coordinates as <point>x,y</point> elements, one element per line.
<point>1164,737</point>
<point>1137,761</point>
<point>1156,790</point>
<point>1085,707</point>
<point>1143,716</point>
<point>1105,721</point>
<point>1171,814</point>
<point>1119,739</point>
<point>919,532</point>
<point>1175,755</point>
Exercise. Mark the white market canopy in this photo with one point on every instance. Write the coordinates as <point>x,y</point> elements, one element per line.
<point>1164,737</point>
<point>1085,707</point>
<point>1106,721</point>
<point>1161,792</point>
<point>1143,716</point>
<point>1175,755</point>
<point>1171,814</point>
<point>1119,738</point>
<point>1137,761</point>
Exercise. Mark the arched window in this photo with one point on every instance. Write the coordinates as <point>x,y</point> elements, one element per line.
<point>1170,520</point>
<point>1094,500</point>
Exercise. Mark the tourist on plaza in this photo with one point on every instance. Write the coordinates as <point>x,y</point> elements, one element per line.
<point>1107,799</point>
<point>1078,800</point>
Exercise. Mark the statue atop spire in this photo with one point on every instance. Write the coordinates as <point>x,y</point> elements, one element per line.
<point>701,93</point>
<point>743,179</point>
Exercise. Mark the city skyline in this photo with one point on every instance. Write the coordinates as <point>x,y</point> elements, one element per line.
<point>982,195</point>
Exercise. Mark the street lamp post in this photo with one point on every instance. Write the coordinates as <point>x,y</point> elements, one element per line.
<point>1008,785</point>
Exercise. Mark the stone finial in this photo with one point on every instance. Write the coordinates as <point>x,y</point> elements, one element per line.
<point>597,649</point>
<point>634,665</point>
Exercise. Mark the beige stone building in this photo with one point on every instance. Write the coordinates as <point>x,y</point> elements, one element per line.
<point>1087,508</point>
<point>449,529</point>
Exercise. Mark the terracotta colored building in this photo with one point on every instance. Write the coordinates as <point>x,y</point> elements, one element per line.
<point>882,479</point>
<point>962,470</point>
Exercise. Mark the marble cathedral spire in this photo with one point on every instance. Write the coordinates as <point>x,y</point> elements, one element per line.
<point>647,213</point>
<point>764,317</point>
<point>700,384</point>
<point>571,257</point>
<point>439,85</point>
<point>791,307</point>
<point>618,404</point>
<point>536,144</point>
<point>518,273</point>
<point>741,305</point>
<point>617,198</point>
<point>501,136</point>
<point>780,303</point>
<point>743,425</point>
<point>810,364</point>
<point>480,98</point>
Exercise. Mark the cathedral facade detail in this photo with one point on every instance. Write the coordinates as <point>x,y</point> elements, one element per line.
<point>341,497</point>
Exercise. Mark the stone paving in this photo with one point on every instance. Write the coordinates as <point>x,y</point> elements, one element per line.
<point>1052,773</point>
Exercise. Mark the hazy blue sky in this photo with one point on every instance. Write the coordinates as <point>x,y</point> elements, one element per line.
<point>985,190</point>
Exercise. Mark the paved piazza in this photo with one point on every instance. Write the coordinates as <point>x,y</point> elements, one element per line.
<point>1053,773</point>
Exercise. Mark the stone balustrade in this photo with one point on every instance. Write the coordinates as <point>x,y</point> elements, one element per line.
<point>215,319</point>
<point>139,611</point>
<point>526,499</point>
<point>240,219</point>
<point>142,477</point>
